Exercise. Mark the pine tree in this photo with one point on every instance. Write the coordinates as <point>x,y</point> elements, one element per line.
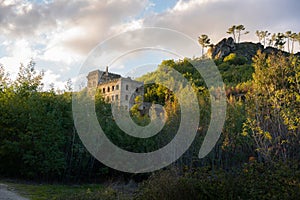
<point>204,41</point>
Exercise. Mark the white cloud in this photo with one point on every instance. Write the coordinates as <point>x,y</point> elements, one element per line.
<point>80,24</point>
<point>61,33</point>
<point>182,5</point>
<point>60,54</point>
<point>10,2</point>
<point>130,26</point>
<point>51,78</point>
<point>214,17</point>
<point>20,51</point>
<point>11,65</point>
<point>117,67</point>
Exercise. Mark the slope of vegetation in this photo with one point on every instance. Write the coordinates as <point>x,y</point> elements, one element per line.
<point>257,156</point>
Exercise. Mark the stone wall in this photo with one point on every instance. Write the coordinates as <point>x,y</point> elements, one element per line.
<point>130,89</point>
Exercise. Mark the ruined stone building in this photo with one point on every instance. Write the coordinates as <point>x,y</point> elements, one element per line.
<point>114,88</point>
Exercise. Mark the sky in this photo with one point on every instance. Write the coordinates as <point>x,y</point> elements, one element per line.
<point>59,35</point>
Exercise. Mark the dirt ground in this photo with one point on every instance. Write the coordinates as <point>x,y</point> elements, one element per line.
<point>6,194</point>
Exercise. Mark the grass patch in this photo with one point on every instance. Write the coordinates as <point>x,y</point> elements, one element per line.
<point>53,192</point>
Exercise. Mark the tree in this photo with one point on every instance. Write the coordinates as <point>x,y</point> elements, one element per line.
<point>262,36</point>
<point>293,39</point>
<point>272,40</point>
<point>298,38</point>
<point>4,80</point>
<point>68,86</point>
<point>288,35</point>
<point>204,41</point>
<point>279,41</point>
<point>259,35</point>
<point>232,30</point>
<point>239,29</point>
<point>28,79</point>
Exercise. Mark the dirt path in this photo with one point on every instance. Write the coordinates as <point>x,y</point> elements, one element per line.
<point>6,194</point>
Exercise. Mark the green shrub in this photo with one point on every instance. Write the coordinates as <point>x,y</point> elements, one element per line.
<point>254,181</point>
<point>224,66</point>
<point>234,59</point>
<point>107,194</point>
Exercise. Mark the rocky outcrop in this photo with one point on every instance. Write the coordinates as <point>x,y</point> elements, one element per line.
<point>222,49</point>
<point>270,50</point>
<point>248,49</point>
<point>244,49</point>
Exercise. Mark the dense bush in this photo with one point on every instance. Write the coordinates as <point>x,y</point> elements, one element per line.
<point>37,137</point>
<point>273,107</point>
<point>253,181</point>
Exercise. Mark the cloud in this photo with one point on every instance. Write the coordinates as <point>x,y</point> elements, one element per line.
<point>20,51</point>
<point>187,5</point>
<point>195,17</point>
<point>59,34</point>
<point>103,19</point>
<point>21,18</point>
<point>80,24</point>
<point>51,78</point>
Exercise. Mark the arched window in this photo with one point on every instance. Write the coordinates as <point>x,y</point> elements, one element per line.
<point>108,89</point>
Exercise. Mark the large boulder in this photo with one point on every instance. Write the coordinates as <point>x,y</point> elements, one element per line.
<point>222,49</point>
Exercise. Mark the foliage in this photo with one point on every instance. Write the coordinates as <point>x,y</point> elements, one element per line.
<point>233,59</point>
<point>274,107</point>
<point>38,140</point>
<point>204,41</point>
<point>235,74</point>
<point>279,41</point>
<point>28,80</point>
<point>105,194</point>
<point>253,181</point>
<point>262,36</point>
<point>237,31</point>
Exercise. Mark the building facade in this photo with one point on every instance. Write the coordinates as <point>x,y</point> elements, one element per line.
<point>116,89</point>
